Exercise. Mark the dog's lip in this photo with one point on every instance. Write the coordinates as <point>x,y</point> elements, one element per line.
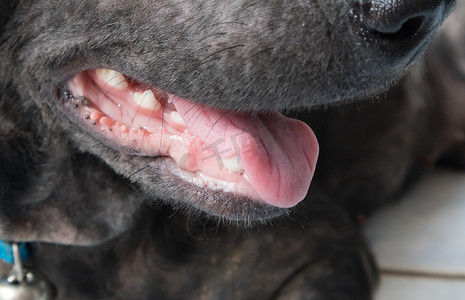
<point>110,126</point>
<point>237,208</point>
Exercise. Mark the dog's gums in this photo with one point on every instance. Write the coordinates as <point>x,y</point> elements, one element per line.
<point>266,157</point>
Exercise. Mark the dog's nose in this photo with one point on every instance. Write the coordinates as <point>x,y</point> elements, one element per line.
<point>398,20</point>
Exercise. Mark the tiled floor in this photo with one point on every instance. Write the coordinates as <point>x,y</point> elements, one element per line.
<point>420,241</point>
<point>417,288</point>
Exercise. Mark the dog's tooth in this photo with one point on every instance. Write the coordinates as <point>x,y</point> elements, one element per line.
<point>246,177</point>
<point>233,164</point>
<point>112,78</point>
<point>123,128</point>
<point>147,100</point>
<point>176,118</point>
<point>95,115</point>
<point>106,122</point>
<point>133,131</point>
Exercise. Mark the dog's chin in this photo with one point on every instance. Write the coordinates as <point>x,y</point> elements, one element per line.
<point>236,166</point>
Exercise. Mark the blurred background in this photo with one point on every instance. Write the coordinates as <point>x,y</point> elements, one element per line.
<point>419,241</point>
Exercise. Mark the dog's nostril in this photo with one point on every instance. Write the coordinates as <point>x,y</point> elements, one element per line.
<point>398,30</point>
<point>408,30</point>
<point>397,19</point>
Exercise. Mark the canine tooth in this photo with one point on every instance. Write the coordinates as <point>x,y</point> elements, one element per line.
<point>147,100</point>
<point>176,117</point>
<point>112,78</point>
<point>232,164</point>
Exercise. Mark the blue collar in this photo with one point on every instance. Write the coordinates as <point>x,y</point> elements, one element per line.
<point>6,251</point>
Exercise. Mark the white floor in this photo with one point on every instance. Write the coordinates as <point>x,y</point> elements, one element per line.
<point>420,241</point>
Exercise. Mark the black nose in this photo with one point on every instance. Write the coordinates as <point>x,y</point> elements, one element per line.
<point>401,19</point>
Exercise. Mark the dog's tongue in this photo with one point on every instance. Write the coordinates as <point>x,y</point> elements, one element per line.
<point>278,154</point>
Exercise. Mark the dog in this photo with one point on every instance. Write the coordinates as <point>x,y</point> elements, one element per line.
<point>144,154</point>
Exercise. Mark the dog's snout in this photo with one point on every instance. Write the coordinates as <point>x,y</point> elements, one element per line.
<point>399,24</point>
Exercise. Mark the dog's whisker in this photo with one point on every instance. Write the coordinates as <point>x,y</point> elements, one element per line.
<point>197,115</point>
<point>270,49</point>
<point>209,58</point>
<point>137,171</point>
<point>180,54</point>
<point>162,127</point>
<point>113,87</point>
<point>216,122</point>
<point>228,23</point>
<point>96,144</point>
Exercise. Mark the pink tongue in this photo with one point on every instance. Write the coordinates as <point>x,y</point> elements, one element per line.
<point>278,154</point>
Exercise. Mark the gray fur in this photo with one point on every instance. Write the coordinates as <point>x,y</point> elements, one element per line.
<point>102,221</point>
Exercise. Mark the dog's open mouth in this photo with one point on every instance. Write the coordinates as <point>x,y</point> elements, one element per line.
<point>265,157</point>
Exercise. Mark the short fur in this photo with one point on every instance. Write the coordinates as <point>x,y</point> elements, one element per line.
<point>108,225</point>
